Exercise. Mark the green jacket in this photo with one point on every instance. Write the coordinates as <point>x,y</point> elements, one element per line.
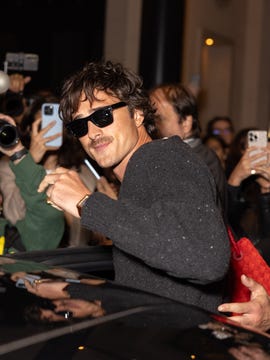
<point>43,226</point>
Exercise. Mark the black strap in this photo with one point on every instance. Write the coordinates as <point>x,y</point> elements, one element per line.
<point>19,154</point>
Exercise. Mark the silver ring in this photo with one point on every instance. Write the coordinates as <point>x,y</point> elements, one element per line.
<point>252,172</point>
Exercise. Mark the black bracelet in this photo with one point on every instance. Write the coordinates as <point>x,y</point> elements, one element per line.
<point>19,154</point>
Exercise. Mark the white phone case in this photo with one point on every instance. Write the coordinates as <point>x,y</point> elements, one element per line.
<point>49,112</point>
<point>258,138</point>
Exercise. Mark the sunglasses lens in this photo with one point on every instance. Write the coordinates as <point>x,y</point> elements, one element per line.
<point>78,128</point>
<point>102,117</point>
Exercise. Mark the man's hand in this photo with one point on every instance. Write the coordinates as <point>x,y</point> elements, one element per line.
<point>254,313</point>
<point>64,189</point>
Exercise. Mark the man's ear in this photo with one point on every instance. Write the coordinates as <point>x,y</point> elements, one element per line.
<point>138,117</point>
<point>187,126</point>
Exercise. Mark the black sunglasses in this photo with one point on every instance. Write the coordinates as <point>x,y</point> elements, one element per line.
<point>101,118</point>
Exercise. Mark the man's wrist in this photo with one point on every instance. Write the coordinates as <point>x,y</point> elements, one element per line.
<point>80,203</point>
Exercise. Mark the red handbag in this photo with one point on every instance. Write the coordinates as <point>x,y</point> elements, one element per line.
<point>245,259</point>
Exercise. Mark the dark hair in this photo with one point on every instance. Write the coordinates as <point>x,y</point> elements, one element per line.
<point>211,123</point>
<point>183,102</point>
<point>114,80</point>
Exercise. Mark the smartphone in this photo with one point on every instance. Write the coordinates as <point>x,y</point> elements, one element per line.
<point>31,278</point>
<point>258,138</point>
<point>49,112</point>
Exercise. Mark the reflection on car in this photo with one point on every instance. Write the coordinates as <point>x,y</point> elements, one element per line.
<point>110,321</point>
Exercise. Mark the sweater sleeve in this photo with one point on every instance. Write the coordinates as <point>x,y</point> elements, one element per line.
<point>43,226</point>
<point>170,221</point>
<point>13,205</point>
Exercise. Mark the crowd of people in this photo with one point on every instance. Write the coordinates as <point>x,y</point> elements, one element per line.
<point>166,196</point>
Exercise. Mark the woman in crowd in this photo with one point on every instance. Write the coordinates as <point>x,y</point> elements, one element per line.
<point>33,224</point>
<point>223,127</point>
<point>248,189</point>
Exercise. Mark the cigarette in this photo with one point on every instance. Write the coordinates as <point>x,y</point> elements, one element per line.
<point>91,168</point>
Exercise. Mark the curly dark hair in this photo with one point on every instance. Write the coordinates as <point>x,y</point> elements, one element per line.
<point>112,78</point>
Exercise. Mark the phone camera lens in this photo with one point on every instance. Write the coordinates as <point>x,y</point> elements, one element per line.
<point>48,110</point>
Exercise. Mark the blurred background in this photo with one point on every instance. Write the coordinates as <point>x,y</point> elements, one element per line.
<point>220,48</point>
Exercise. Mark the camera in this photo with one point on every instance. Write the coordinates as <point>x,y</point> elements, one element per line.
<point>48,109</point>
<point>21,61</point>
<point>9,135</point>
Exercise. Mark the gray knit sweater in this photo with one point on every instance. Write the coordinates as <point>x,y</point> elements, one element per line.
<point>168,235</point>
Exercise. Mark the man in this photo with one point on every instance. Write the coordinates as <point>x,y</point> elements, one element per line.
<point>167,232</point>
<point>177,114</point>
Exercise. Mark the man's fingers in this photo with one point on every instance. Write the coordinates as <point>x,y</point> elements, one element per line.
<point>51,178</point>
<point>238,308</point>
<point>48,180</point>
<point>61,170</point>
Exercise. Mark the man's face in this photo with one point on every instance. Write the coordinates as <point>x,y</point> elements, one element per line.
<point>109,145</point>
<point>167,120</point>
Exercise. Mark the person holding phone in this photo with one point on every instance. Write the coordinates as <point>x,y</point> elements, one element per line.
<point>32,225</point>
<point>35,140</point>
<point>248,174</point>
<point>32,138</point>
